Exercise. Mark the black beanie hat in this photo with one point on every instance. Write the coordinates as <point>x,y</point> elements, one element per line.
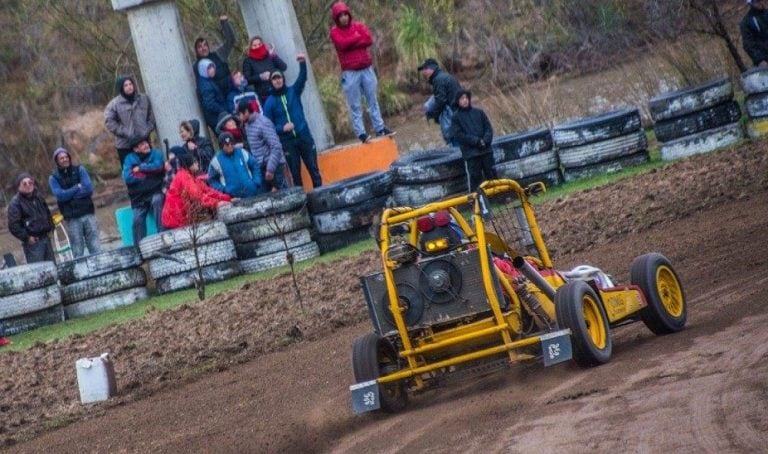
<point>185,160</point>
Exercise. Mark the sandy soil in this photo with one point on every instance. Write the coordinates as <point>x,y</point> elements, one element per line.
<point>250,371</point>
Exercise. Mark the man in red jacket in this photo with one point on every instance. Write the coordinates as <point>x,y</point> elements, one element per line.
<point>352,40</point>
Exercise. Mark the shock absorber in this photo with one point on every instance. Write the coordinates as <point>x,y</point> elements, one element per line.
<point>533,304</point>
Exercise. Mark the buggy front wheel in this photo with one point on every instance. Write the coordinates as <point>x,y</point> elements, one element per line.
<point>372,357</point>
<point>667,310</point>
<point>578,308</point>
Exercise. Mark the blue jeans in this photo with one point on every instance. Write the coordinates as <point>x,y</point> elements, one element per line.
<point>354,83</point>
<point>279,180</point>
<point>83,231</point>
<point>41,251</point>
<point>139,227</point>
<point>444,119</point>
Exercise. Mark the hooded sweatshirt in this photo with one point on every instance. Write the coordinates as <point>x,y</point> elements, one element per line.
<point>128,116</point>
<point>284,106</point>
<point>471,128</point>
<point>754,34</point>
<point>351,42</point>
<point>212,99</point>
<point>72,188</point>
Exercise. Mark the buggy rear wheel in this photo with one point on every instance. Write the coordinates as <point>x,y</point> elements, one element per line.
<point>578,307</point>
<point>372,357</point>
<point>667,310</point>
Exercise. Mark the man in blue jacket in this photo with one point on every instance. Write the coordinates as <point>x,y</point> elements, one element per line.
<point>143,173</point>
<point>234,171</point>
<point>284,109</point>
<point>71,185</point>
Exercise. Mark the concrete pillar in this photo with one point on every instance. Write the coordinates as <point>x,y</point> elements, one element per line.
<point>163,56</point>
<point>276,22</point>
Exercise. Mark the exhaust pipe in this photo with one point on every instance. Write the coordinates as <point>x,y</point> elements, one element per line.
<point>528,271</point>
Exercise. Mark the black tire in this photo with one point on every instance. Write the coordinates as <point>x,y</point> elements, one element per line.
<point>208,254</point>
<point>550,179</point>
<point>702,142</point>
<point>688,100</point>
<point>756,105</point>
<point>755,80</point>
<point>103,285</point>
<point>605,150</point>
<point>349,191</point>
<point>23,278</point>
<point>416,195</point>
<point>262,205</point>
<point>516,146</point>
<point>757,127</point>
<point>601,168</point>
<point>27,322</point>
<point>266,227</point>
<point>598,128</point>
<point>106,302</point>
<point>578,308</point>
<point>536,164</point>
<point>667,309</point>
<point>278,259</point>
<point>713,117</point>
<point>354,216</point>
<point>372,357</point>
<point>271,245</point>
<point>30,301</point>
<point>98,264</point>
<point>178,239</point>
<point>211,273</point>
<point>335,241</point>
<point>428,166</point>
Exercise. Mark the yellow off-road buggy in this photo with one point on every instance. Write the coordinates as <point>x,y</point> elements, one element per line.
<point>460,296</point>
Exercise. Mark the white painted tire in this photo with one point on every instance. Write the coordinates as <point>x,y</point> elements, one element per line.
<point>351,217</point>
<point>182,238</point>
<point>606,167</point>
<point>186,280</point>
<point>27,322</point>
<point>258,229</point>
<point>254,249</point>
<point>290,199</point>
<point>703,142</point>
<point>278,259</point>
<point>522,145</point>
<point>416,195</point>
<point>106,302</point>
<point>208,254</point>
<point>755,80</point>
<point>692,99</point>
<point>98,264</point>
<point>103,285</point>
<point>23,278</point>
<point>597,128</point>
<point>29,301</point>
<point>536,164</point>
<point>604,150</point>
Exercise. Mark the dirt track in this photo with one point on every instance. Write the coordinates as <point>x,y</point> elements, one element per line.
<point>702,390</point>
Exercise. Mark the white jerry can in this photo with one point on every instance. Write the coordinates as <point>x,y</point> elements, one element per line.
<point>96,378</point>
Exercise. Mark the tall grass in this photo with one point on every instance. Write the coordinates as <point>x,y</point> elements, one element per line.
<point>415,40</point>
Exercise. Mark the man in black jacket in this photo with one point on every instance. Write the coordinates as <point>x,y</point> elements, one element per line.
<point>219,56</point>
<point>472,130</point>
<point>442,104</point>
<point>29,220</point>
<point>754,32</point>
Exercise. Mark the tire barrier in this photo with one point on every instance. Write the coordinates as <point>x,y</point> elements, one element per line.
<point>527,157</point>
<point>100,282</point>
<point>262,227</point>
<point>697,119</point>
<point>603,143</point>
<point>755,84</point>
<point>29,298</point>
<point>428,176</point>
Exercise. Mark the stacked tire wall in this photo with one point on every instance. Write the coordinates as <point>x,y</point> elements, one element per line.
<point>30,297</point>
<point>601,144</point>
<point>100,282</point>
<point>696,120</point>
<point>343,212</point>
<point>754,82</point>
<point>527,157</point>
<point>175,255</point>
<point>428,176</point>
<point>262,227</point>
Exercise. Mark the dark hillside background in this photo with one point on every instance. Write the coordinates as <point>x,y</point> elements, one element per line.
<point>59,58</point>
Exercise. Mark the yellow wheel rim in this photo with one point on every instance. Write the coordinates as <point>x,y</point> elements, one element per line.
<point>670,292</point>
<point>594,321</point>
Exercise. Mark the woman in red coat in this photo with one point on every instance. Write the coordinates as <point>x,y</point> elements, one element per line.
<point>189,199</point>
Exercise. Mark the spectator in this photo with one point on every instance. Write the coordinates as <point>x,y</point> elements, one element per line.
<point>228,123</point>
<point>260,63</point>
<point>284,109</point>
<point>265,147</point>
<point>352,40</point>
<point>188,199</point>
<point>71,185</point>
<point>143,174</point>
<point>754,32</point>
<point>241,92</point>
<point>200,147</point>
<point>472,130</point>
<point>212,99</point>
<point>442,104</point>
<point>172,166</point>
<point>127,115</point>
<point>234,171</point>
<point>219,57</point>
<point>29,220</point>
